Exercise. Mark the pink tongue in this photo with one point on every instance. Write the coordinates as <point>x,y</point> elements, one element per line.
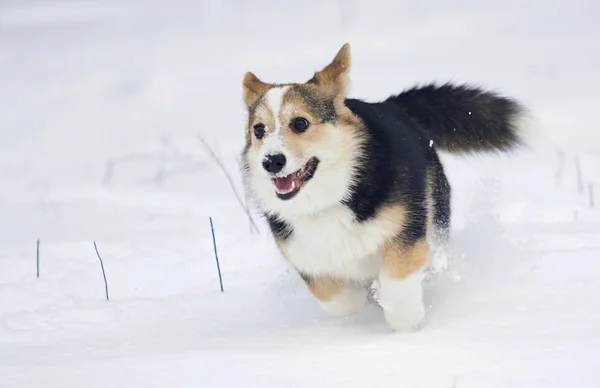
<point>284,184</point>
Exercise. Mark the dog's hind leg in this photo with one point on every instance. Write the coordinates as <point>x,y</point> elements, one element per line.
<point>337,297</point>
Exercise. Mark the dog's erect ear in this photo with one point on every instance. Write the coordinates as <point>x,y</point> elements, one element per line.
<point>334,78</point>
<point>253,88</point>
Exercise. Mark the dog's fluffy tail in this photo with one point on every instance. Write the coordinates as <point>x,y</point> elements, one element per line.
<point>464,119</point>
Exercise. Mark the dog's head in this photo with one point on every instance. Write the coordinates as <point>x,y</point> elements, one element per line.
<point>302,142</point>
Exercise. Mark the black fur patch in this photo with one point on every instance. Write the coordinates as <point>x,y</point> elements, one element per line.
<point>441,194</point>
<point>280,229</point>
<point>399,156</point>
<point>415,228</point>
<point>393,160</point>
<point>307,278</point>
<point>461,118</point>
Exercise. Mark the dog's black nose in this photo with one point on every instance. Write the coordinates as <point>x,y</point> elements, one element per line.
<point>274,163</point>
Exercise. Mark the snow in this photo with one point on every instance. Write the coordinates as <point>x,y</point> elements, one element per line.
<point>100,105</point>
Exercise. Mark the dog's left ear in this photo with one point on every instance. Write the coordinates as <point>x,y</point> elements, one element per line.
<point>334,78</point>
<point>253,88</point>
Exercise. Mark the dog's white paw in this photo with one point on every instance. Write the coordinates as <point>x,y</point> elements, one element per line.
<point>402,301</point>
<point>404,317</point>
<point>348,301</point>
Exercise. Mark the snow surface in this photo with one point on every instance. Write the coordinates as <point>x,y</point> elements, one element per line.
<point>100,106</point>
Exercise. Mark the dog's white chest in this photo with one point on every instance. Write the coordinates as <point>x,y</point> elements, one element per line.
<point>333,244</point>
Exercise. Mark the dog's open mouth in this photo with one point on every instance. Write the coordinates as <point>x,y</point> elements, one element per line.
<point>288,186</point>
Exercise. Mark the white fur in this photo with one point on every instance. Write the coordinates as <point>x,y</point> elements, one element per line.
<point>274,100</point>
<point>273,142</point>
<point>528,129</point>
<point>402,301</point>
<point>332,243</point>
<point>330,184</point>
<point>347,302</point>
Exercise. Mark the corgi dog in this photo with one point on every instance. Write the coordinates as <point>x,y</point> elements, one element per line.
<point>354,192</point>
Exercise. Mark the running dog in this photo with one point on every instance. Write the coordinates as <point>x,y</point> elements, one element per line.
<point>354,191</point>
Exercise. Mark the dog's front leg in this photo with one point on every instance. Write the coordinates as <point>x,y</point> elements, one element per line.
<point>338,297</point>
<point>400,281</point>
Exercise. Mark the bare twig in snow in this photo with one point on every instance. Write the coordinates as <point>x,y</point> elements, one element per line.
<point>560,168</point>
<point>162,175</point>
<point>219,163</point>
<point>455,383</point>
<point>109,170</point>
<point>38,258</point>
<point>108,173</point>
<point>212,229</point>
<point>167,156</point>
<point>103,273</point>
<point>249,218</point>
<point>579,176</point>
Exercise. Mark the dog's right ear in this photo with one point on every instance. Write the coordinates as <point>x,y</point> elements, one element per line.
<point>253,88</point>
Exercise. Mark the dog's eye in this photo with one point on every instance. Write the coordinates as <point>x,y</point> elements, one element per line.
<point>259,131</point>
<point>299,124</point>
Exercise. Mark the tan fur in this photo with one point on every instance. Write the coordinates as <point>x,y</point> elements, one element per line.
<point>334,78</point>
<point>391,219</point>
<point>262,115</point>
<point>325,288</point>
<point>345,139</point>
<point>253,88</point>
<point>400,261</point>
